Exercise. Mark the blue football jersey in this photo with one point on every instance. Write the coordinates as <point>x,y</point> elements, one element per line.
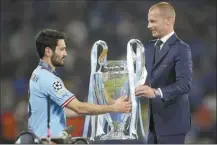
<point>44,83</point>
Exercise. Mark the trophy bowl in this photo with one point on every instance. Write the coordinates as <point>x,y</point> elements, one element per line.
<point>115,85</point>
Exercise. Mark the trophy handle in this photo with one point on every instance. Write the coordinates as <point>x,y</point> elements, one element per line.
<point>103,56</point>
<point>92,95</point>
<point>136,79</point>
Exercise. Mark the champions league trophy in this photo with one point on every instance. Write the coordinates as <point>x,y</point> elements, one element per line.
<point>110,80</point>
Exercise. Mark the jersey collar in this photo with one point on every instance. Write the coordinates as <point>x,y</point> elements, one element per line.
<point>47,67</point>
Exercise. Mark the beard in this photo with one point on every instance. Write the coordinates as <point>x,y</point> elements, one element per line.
<point>57,61</point>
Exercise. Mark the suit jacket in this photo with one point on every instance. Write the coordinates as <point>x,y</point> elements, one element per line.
<point>172,72</point>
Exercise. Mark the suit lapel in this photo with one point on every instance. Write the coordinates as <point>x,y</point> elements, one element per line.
<point>163,52</point>
<point>151,54</point>
<point>166,47</point>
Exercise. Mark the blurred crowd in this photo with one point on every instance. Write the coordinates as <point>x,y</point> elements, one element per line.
<point>115,22</point>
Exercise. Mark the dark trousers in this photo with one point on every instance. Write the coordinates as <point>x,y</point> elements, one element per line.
<point>153,138</point>
<point>167,139</point>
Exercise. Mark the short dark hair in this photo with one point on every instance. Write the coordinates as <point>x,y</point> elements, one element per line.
<point>48,38</point>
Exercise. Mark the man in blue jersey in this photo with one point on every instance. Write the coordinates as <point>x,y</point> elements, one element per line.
<point>45,85</point>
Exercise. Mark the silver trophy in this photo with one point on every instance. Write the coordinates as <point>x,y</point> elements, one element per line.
<point>110,80</point>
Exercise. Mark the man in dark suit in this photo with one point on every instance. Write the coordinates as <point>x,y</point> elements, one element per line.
<point>169,66</point>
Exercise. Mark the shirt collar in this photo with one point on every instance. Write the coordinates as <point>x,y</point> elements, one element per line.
<point>165,38</point>
<point>47,67</point>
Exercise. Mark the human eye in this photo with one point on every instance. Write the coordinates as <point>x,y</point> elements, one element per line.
<point>63,48</point>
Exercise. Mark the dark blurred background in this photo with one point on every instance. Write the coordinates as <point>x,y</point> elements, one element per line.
<point>115,22</point>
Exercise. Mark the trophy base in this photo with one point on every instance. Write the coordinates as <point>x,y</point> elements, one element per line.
<point>116,136</point>
<point>117,133</point>
<point>133,141</point>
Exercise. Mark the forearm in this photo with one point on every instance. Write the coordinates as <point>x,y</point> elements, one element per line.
<point>183,68</point>
<point>70,113</point>
<point>83,108</point>
<point>175,90</point>
<point>94,109</point>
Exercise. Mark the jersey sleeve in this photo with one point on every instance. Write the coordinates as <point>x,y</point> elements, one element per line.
<point>54,87</point>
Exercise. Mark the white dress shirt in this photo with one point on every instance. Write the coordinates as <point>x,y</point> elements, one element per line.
<point>165,38</point>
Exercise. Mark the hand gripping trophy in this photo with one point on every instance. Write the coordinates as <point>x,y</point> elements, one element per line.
<point>112,80</point>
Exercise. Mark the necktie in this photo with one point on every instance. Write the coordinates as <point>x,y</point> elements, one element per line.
<point>157,49</point>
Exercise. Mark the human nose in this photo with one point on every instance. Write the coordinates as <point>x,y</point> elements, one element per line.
<point>65,53</point>
<point>149,26</point>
